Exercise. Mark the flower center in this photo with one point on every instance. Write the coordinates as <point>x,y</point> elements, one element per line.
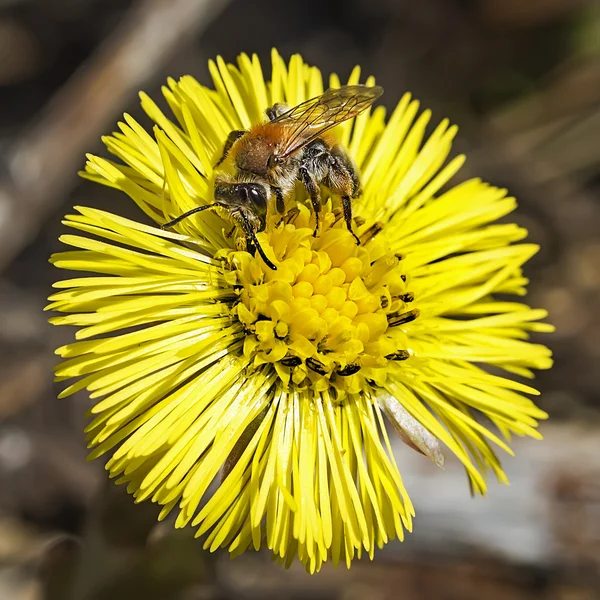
<point>331,314</point>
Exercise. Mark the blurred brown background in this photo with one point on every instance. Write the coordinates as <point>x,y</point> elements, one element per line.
<point>520,77</point>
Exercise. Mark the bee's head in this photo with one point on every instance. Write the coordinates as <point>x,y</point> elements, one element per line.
<point>247,205</point>
<point>252,197</point>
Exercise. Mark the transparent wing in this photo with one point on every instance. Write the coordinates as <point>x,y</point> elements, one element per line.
<point>311,118</point>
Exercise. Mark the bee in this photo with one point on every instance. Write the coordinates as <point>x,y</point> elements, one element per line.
<point>295,144</point>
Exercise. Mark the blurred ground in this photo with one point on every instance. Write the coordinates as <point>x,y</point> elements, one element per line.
<point>522,79</point>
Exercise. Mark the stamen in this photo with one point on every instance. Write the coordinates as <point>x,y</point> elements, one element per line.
<point>408,297</point>
<point>291,361</point>
<point>400,319</point>
<point>291,216</point>
<point>316,365</point>
<point>370,233</point>
<point>399,355</point>
<point>348,370</point>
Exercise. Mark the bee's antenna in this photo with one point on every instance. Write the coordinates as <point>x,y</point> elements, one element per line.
<point>246,225</point>
<point>189,213</point>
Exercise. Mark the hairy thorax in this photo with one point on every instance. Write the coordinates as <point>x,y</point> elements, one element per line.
<point>254,149</point>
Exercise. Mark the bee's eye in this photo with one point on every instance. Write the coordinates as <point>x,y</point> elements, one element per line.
<point>257,196</point>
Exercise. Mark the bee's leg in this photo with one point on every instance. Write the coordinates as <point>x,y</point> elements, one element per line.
<point>312,187</point>
<point>232,138</point>
<point>313,170</point>
<point>279,201</point>
<point>347,206</point>
<point>275,111</point>
<point>343,178</point>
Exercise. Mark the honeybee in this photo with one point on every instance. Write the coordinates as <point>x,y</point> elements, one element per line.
<point>293,145</point>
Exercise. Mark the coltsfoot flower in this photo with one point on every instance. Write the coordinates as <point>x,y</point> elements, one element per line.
<point>207,367</point>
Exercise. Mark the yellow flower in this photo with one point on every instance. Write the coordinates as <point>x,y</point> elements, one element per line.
<point>253,399</point>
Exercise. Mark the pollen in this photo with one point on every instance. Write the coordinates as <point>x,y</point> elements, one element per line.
<point>331,315</point>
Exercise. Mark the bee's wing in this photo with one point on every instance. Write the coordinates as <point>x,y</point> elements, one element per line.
<point>310,119</point>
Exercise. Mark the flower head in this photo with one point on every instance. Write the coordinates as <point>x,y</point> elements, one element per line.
<point>207,366</point>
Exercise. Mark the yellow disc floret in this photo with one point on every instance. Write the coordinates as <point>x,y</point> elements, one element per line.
<point>329,315</point>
